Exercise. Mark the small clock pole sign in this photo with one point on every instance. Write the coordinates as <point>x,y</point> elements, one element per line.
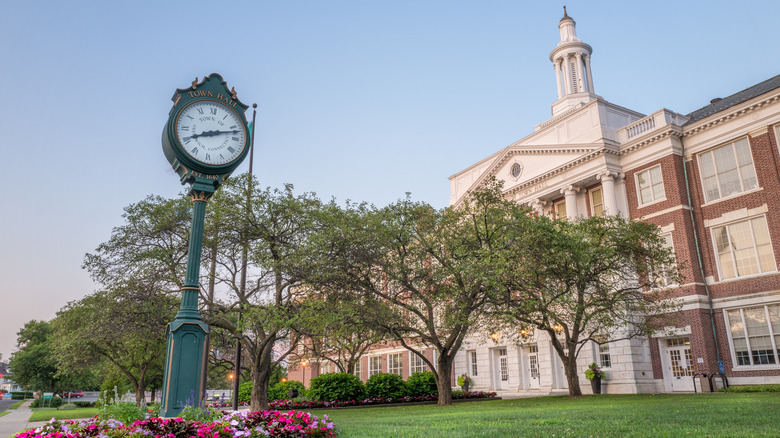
<point>205,139</point>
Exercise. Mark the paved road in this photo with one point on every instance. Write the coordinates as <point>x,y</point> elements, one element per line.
<point>6,403</point>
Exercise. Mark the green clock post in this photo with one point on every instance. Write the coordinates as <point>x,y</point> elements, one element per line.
<point>205,139</point>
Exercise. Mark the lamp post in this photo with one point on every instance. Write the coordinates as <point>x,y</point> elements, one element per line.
<point>303,365</point>
<point>495,336</point>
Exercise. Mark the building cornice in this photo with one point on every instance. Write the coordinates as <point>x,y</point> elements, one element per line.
<point>724,116</point>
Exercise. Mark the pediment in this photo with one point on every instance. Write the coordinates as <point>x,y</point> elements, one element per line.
<point>523,165</point>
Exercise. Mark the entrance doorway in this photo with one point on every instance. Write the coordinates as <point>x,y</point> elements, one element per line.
<point>533,366</point>
<point>679,364</point>
<point>502,369</point>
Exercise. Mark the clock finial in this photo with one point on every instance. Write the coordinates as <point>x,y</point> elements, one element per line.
<point>233,92</point>
<point>195,83</point>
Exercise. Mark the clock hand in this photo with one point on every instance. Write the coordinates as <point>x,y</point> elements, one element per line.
<point>213,133</point>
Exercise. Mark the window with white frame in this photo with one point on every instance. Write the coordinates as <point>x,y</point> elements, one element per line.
<point>668,244</point>
<point>325,367</point>
<point>650,185</point>
<point>416,364</point>
<point>605,360</point>
<point>394,365</point>
<point>472,356</point>
<point>744,248</point>
<point>374,365</point>
<point>559,209</point>
<point>358,369</point>
<point>755,335</point>
<point>727,170</point>
<point>597,202</point>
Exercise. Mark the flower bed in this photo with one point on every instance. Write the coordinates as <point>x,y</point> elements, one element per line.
<point>233,424</point>
<point>310,404</point>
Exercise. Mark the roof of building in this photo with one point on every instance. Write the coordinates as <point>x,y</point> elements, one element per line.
<point>718,105</point>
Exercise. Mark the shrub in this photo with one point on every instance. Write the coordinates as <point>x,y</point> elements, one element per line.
<point>336,387</point>
<point>752,388</point>
<point>421,383</point>
<point>281,390</point>
<point>21,395</point>
<point>40,402</point>
<point>83,404</point>
<point>126,412</point>
<point>245,392</point>
<point>67,407</point>
<point>385,385</point>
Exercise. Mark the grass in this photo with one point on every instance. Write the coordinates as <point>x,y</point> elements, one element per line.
<point>17,404</point>
<point>4,413</point>
<point>46,414</point>
<point>657,415</point>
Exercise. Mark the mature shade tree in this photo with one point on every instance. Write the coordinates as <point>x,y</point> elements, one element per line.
<point>151,245</point>
<point>415,271</point>
<point>596,279</point>
<point>34,365</point>
<point>333,330</point>
<point>268,229</point>
<point>124,326</point>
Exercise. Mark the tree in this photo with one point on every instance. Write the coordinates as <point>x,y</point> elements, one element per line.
<point>334,331</point>
<point>270,227</point>
<point>33,365</point>
<point>151,246</point>
<point>414,271</point>
<point>589,280</point>
<point>124,326</point>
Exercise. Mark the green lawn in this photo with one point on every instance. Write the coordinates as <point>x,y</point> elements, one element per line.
<point>17,404</point>
<point>4,413</point>
<point>657,415</point>
<point>46,414</point>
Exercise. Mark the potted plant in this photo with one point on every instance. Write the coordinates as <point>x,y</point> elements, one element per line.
<point>594,374</point>
<point>464,381</point>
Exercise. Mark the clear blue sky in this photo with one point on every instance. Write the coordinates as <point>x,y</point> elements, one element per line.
<point>360,100</point>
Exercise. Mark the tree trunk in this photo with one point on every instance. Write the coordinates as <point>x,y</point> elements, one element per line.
<point>573,380</point>
<point>140,389</point>
<point>444,379</point>
<point>260,378</point>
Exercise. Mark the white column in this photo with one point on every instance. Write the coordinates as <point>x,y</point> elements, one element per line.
<point>557,67</point>
<point>570,193</point>
<point>580,85</point>
<point>566,76</point>
<point>608,191</point>
<point>590,77</point>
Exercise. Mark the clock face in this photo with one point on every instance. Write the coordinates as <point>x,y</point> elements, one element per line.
<point>210,132</point>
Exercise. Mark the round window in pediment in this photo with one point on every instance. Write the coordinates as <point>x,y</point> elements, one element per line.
<point>517,170</point>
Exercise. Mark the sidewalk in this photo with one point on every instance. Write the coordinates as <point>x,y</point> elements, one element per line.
<point>16,421</point>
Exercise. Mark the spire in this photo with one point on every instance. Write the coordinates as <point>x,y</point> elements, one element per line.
<point>571,61</point>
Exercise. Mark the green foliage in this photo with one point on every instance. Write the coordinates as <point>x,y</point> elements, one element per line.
<point>34,364</point>
<point>82,404</point>
<point>593,372</point>
<point>281,390</point>
<point>53,402</point>
<point>67,407</point>
<point>421,383</point>
<point>112,389</point>
<point>752,388</point>
<point>204,415</point>
<point>336,387</point>
<point>245,392</point>
<point>463,378</point>
<point>21,395</point>
<point>385,385</point>
<point>126,412</point>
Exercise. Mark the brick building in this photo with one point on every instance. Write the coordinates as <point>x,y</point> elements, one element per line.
<point>708,179</point>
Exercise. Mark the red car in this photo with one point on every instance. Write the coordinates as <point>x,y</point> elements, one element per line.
<point>73,394</point>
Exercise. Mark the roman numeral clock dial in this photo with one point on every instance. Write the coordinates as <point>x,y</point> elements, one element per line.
<point>210,132</point>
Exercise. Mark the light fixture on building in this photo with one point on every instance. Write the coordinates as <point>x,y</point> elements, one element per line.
<point>524,333</point>
<point>494,337</point>
<point>558,328</point>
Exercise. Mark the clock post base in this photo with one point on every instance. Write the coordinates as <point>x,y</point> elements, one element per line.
<point>183,367</point>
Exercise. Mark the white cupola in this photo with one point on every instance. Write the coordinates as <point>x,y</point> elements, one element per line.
<point>571,61</point>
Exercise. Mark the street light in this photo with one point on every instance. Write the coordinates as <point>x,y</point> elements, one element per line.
<point>494,337</point>
<point>303,364</point>
<point>558,328</point>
